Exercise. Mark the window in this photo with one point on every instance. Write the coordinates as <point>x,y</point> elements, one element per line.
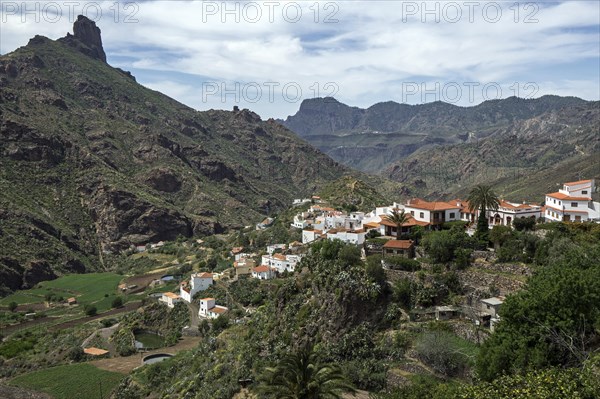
<point>574,204</point>
<point>412,213</point>
<point>554,201</point>
<point>421,215</point>
<point>578,218</point>
<point>452,215</point>
<point>584,192</point>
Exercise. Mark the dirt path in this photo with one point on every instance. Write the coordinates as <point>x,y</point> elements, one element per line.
<point>127,364</point>
<point>142,281</point>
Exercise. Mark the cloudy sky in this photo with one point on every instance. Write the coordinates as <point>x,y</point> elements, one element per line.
<point>269,56</point>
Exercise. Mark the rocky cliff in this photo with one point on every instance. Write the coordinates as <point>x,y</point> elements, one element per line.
<point>92,163</point>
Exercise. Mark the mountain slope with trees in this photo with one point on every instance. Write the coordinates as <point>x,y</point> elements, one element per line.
<point>93,163</point>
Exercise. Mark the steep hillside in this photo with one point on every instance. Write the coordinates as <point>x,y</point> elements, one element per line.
<point>523,161</point>
<point>371,139</point>
<point>92,162</point>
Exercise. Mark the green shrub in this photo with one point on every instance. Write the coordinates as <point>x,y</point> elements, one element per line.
<point>402,263</point>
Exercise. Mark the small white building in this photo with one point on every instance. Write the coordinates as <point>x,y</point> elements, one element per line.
<point>263,272</point>
<point>209,310</point>
<point>198,282</point>
<point>491,307</point>
<point>311,235</point>
<point>281,262</point>
<point>573,203</point>
<point>435,213</point>
<point>170,299</point>
<point>355,237</point>
<point>274,247</point>
<point>507,212</point>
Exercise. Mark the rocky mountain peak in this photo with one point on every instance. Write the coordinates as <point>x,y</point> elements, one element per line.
<point>87,38</point>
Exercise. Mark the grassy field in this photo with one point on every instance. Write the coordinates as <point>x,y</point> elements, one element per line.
<point>94,288</point>
<point>71,381</point>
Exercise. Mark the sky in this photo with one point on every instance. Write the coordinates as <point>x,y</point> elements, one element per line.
<point>270,56</point>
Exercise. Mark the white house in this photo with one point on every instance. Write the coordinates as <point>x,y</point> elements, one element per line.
<point>274,247</point>
<point>356,237</point>
<point>281,262</point>
<point>435,213</point>
<point>170,299</point>
<point>209,310</point>
<point>573,203</point>
<point>507,212</point>
<point>198,282</point>
<point>263,272</point>
<point>311,235</point>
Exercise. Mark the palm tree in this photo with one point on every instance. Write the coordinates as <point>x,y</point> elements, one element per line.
<point>398,218</point>
<point>301,376</point>
<point>482,198</point>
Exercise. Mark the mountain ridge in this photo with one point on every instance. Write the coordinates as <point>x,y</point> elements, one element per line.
<point>94,163</point>
<point>373,138</point>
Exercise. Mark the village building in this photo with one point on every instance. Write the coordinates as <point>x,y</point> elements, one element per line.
<point>198,282</point>
<point>389,229</point>
<point>507,212</point>
<point>208,309</point>
<point>489,308</point>
<point>573,203</point>
<point>311,235</point>
<point>263,272</point>
<point>271,249</point>
<point>170,299</point>
<point>243,266</point>
<point>72,301</point>
<point>355,237</point>
<point>405,248</point>
<point>434,213</point>
<point>281,262</point>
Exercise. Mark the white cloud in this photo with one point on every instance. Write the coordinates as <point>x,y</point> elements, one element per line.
<point>374,47</point>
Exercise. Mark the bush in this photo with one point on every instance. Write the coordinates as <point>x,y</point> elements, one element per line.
<point>90,310</point>
<point>402,263</point>
<point>117,302</point>
<point>521,224</point>
<point>436,349</point>
<point>12,306</point>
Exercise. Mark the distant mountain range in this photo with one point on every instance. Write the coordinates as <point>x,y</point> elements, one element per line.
<point>523,160</point>
<point>375,138</point>
<point>92,162</point>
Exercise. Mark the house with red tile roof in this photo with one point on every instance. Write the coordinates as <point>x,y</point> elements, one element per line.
<point>170,299</point>
<point>198,282</point>
<point>573,203</point>
<point>434,213</point>
<point>263,272</point>
<point>210,310</point>
<point>404,248</point>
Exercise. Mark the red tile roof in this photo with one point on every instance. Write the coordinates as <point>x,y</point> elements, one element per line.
<point>410,221</point>
<point>431,206</point>
<point>575,183</point>
<point>261,269</point>
<point>95,351</point>
<point>218,309</point>
<point>399,244</point>
<point>561,196</point>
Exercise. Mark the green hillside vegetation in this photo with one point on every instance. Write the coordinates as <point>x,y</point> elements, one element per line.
<point>71,381</point>
<point>357,320</point>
